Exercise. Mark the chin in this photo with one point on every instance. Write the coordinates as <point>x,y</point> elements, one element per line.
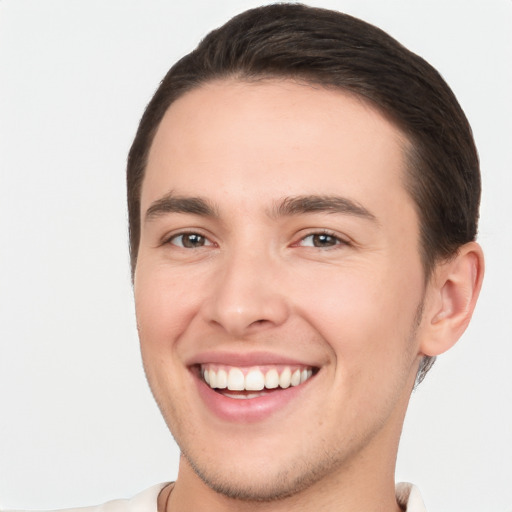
<point>261,482</point>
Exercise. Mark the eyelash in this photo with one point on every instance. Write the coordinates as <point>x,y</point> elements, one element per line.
<point>326,233</point>
<point>170,240</point>
<point>206,242</point>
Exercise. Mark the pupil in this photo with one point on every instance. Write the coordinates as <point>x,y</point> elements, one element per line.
<point>323,240</point>
<point>193,240</point>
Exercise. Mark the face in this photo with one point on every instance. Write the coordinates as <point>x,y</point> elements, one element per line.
<point>279,261</point>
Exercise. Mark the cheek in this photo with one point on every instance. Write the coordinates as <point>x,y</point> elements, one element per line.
<point>365,317</point>
<point>165,303</point>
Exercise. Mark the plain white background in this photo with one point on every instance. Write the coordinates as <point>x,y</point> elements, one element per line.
<point>77,423</point>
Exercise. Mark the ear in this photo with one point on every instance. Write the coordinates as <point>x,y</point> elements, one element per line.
<point>451,298</point>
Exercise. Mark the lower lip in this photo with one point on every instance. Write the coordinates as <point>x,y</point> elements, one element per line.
<point>248,410</point>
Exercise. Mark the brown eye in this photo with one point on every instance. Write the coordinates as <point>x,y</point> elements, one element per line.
<point>324,240</point>
<point>320,240</point>
<point>190,240</point>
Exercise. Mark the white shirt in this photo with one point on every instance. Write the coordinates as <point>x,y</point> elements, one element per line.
<point>407,495</point>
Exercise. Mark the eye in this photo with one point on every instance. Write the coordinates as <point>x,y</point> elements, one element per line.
<point>189,240</point>
<point>321,240</point>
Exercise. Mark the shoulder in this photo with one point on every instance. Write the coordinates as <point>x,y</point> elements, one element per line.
<point>145,501</point>
<point>409,498</point>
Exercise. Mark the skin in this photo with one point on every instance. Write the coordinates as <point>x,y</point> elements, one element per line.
<point>353,304</point>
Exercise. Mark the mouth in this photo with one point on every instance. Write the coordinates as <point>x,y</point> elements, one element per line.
<point>242,383</point>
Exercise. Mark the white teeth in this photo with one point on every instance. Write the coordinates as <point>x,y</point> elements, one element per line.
<point>222,379</point>
<point>254,381</point>
<point>234,379</point>
<point>285,378</point>
<point>295,379</point>
<point>272,379</point>
<point>213,379</point>
<point>243,397</point>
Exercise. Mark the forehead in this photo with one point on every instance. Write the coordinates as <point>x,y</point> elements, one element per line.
<point>233,140</point>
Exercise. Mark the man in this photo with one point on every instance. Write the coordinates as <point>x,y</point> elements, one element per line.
<point>303,202</point>
<point>303,199</point>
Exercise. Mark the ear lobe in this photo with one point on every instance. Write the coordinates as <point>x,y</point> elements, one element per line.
<point>452,294</point>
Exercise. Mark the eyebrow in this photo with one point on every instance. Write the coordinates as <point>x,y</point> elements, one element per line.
<point>171,203</point>
<point>288,206</point>
<point>298,205</point>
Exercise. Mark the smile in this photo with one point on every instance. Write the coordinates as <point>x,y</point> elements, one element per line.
<point>252,388</point>
<point>256,378</point>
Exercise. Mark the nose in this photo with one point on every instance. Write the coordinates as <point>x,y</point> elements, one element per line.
<point>247,295</point>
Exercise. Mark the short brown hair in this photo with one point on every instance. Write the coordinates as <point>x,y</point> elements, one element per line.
<point>335,50</point>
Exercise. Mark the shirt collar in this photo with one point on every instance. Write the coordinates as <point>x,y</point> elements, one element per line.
<point>409,498</point>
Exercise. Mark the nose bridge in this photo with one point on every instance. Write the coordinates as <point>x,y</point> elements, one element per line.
<point>247,294</point>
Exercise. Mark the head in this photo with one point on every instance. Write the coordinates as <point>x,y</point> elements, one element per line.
<point>337,51</point>
<point>300,63</point>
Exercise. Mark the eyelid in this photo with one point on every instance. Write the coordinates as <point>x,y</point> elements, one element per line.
<point>168,238</point>
<point>340,240</point>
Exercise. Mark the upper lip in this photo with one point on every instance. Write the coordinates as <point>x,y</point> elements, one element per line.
<point>243,359</point>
